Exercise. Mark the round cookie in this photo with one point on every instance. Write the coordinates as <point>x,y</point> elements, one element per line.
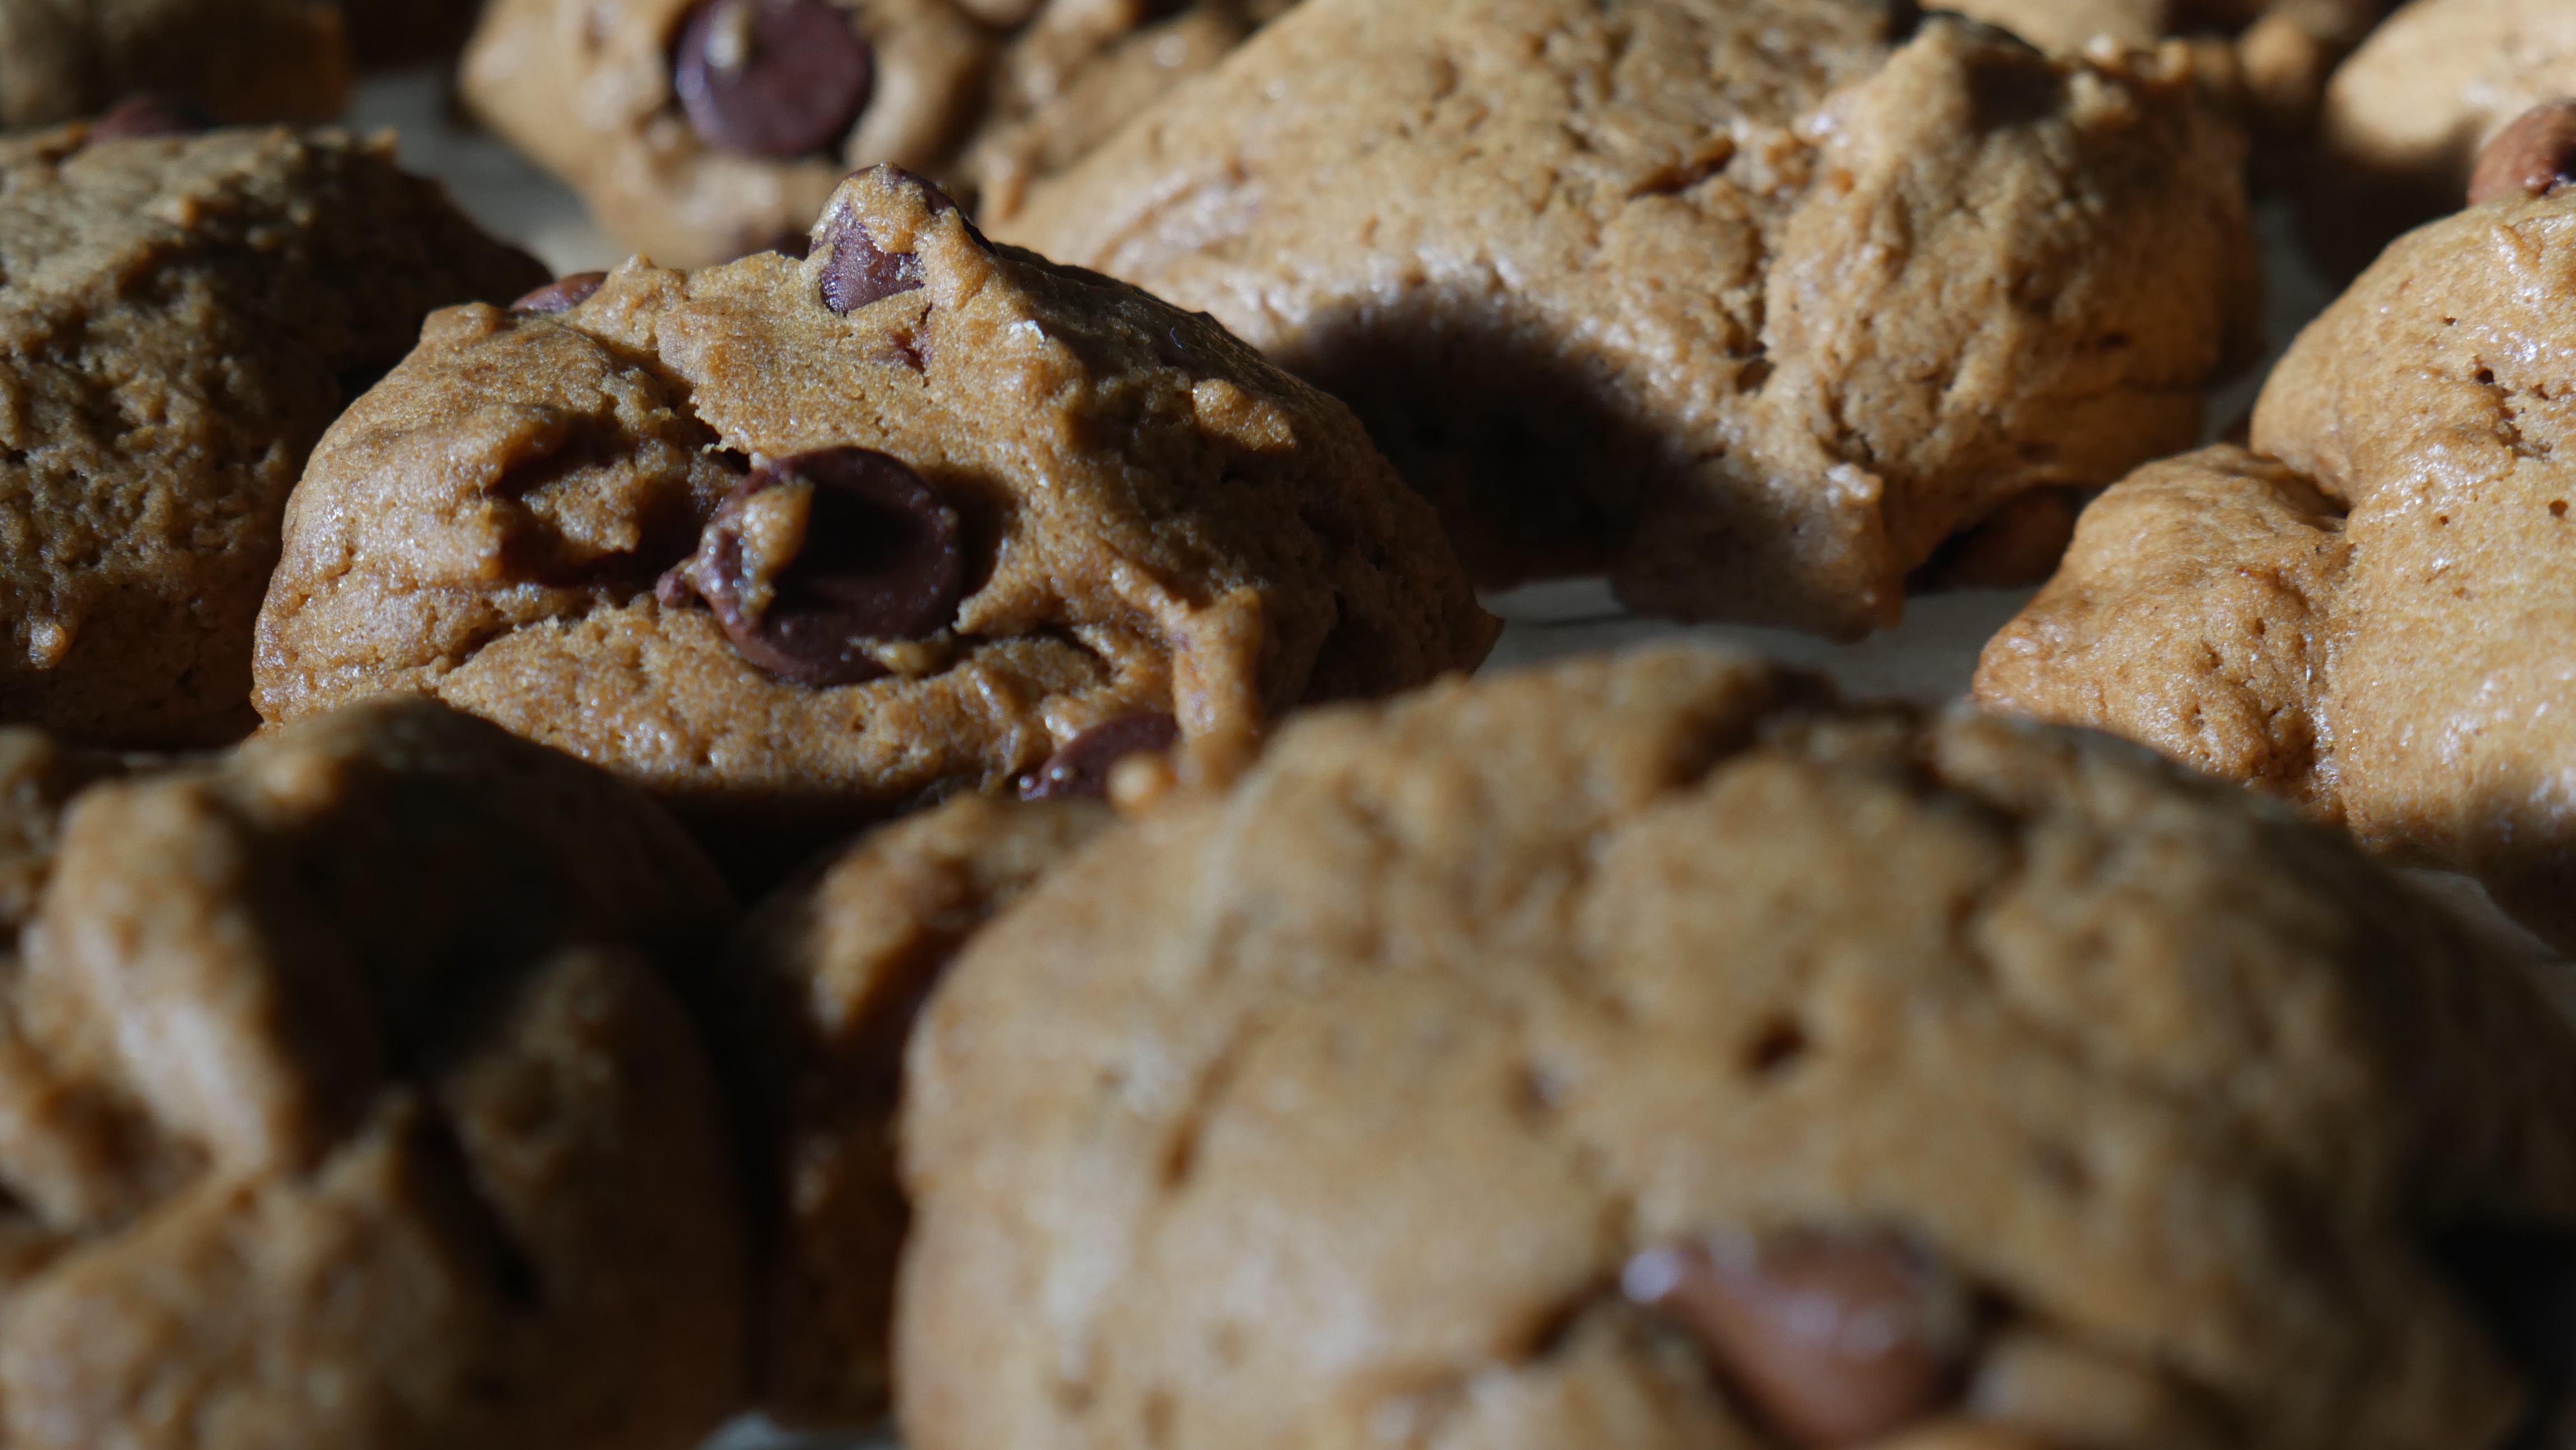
<point>1079,71</point>
<point>1026,500</point>
<point>2405,117</point>
<point>180,318</point>
<point>1694,292</point>
<point>341,1106</point>
<point>2381,625</point>
<point>243,60</point>
<point>813,999</point>
<point>698,131</point>
<point>1643,1052</point>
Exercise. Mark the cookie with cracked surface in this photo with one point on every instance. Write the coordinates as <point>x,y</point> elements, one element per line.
<point>1079,71</point>
<point>180,318</point>
<point>243,60</point>
<point>698,131</point>
<point>344,1106</point>
<point>2406,116</point>
<point>798,544</point>
<point>1644,1052</point>
<point>1685,290</point>
<point>2380,626</point>
<point>813,1001</point>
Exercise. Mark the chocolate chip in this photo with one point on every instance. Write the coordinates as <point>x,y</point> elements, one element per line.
<point>878,557</point>
<point>772,77</point>
<point>1082,767</point>
<point>562,294</point>
<point>857,271</point>
<point>2534,156</point>
<point>1831,1339</point>
<point>2521,1280</point>
<point>137,116</point>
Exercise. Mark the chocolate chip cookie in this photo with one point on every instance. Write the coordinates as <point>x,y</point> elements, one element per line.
<point>180,318</point>
<point>701,130</point>
<point>813,1001</point>
<point>1079,71</point>
<point>341,1104</point>
<point>2405,118</point>
<point>243,60</point>
<point>2376,619</point>
<point>1644,1052</point>
<point>797,544</point>
<point>1751,303</point>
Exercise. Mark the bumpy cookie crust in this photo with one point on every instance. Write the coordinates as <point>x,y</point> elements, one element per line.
<point>2380,627</point>
<point>243,60</point>
<point>179,321</point>
<point>341,1105</point>
<point>2405,117</point>
<point>1752,305</point>
<point>584,88</point>
<point>1155,520</point>
<point>1331,1109</point>
<point>812,1002</point>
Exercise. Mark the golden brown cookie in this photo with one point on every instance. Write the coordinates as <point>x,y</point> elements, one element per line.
<point>180,318</point>
<point>2381,626</point>
<point>1644,1053</point>
<point>2405,117</point>
<point>814,998</point>
<point>702,130</point>
<point>341,1105</point>
<point>243,60</point>
<point>1752,305</point>
<point>793,545</point>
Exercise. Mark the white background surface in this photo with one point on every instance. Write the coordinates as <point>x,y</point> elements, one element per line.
<point>1929,659</point>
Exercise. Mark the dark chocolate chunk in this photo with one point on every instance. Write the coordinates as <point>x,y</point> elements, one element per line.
<point>857,271</point>
<point>1082,767</point>
<point>772,77</point>
<point>149,116</point>
<point>881,558</point>
<point>562,294</point>
<point>2534,156</point>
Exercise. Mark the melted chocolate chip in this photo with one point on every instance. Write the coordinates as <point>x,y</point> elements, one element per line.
<point>562,294</point>
<point>857,271</point>
<point>1832,1340</point>
<point>880,558</point>
<point>2521,1280</point>
<point>2534,156</point>
<point>1082,767</point>
<point>149,116</point>
<point>772,77</point>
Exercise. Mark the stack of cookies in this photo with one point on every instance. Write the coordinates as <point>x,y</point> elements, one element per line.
<point>877,818</point>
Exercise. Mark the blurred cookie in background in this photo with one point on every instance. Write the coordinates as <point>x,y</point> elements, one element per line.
<point>2407,116</point>
<point>1720,328</point>
<point>699,131</point>
<point>241,60</point>
<point>180,318</point>
<point>1078,72</point>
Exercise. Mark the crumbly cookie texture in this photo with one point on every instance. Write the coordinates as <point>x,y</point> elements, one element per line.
<point>589,92</point>
<point>1532,1061</point>
<point>180,318</point>
<point>2381,626</point>
<point>2405,117</point>
<point>243,60</point>
<point>1752,305</point>
<point>814,998</point>
<point>1126,511</point>
<point>344,1107</point>
<point>1080,70</point>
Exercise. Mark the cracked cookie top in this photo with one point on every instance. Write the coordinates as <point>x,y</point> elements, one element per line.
<point>2377,618</point>
<point>180,318</point>
<point>342,1103</point>
<point>1751,303</point>
<point>1645,1052</point>
<point>796,544</point>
